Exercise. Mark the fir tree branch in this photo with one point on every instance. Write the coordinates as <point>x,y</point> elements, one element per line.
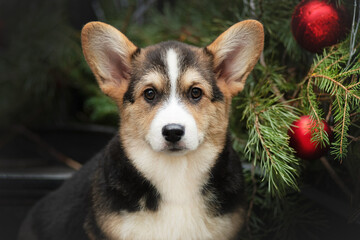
<point>343,125</point>
<point>336,62</point>
<point>318,120</point>
<point>274,88</point>
<point>353,85</point>
<point>347,72</point>
<point>339,60</point>
<point>321,61</point>
<point>257,128</point>
<point>278,93</point>
<point>338,102</point>
<point>337,83</point>
<point>329,113</point>
<point>353,139</point>
<point>268,122</point>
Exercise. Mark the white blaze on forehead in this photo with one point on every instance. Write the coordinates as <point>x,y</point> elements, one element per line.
<point>173,69</point>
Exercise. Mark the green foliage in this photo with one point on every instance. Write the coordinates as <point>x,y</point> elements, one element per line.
<point>339,84</point>
<point>102,109</point>
<point>268,121</point>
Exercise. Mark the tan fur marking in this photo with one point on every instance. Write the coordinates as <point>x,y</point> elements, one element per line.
<point>151,79</point>
<point>192,78</point>
<point>136,120</point>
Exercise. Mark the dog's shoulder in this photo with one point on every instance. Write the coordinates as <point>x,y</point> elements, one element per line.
<point>226,181</point>
<point>119,184</point>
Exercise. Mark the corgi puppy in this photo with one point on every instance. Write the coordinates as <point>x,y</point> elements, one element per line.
<point>170,173</point>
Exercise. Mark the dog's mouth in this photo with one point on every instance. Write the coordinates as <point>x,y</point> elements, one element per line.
<point>174,148</point>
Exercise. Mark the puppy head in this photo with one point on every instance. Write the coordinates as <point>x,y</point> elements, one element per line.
<point>172,97</point>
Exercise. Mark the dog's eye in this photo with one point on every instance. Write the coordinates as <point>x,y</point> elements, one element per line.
<point>149,94</point>
<point>196,93</point>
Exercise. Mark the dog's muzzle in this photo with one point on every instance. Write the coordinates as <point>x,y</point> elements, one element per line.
<point>173,130</point>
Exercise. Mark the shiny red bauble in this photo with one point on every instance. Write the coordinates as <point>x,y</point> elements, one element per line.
<point>317,24</point>
<point>300,139</point>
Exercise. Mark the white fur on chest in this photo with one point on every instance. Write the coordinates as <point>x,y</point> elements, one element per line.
<point>171,222</point>
<point>182,212</point>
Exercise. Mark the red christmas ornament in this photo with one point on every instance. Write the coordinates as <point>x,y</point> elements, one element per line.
<point>300,139</point>
<point>317,24</point>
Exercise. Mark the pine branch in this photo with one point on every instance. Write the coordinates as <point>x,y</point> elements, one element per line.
<point>339,84</point>
<point>320,62</point>
<point>329,75</point>
<point>314,111</point>
<point>343,127</point>
<point>268,143</point>
<point>257,128</point>
<point>354,85</point>
<point>356,70</point>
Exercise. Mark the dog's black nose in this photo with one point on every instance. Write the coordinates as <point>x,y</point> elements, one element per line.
<point>173,132</point>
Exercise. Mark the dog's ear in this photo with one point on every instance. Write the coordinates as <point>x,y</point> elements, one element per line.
<point>108,53</point>
<point>236,51</point>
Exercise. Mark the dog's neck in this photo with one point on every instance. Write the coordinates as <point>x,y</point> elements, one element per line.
<point>178,178</point>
